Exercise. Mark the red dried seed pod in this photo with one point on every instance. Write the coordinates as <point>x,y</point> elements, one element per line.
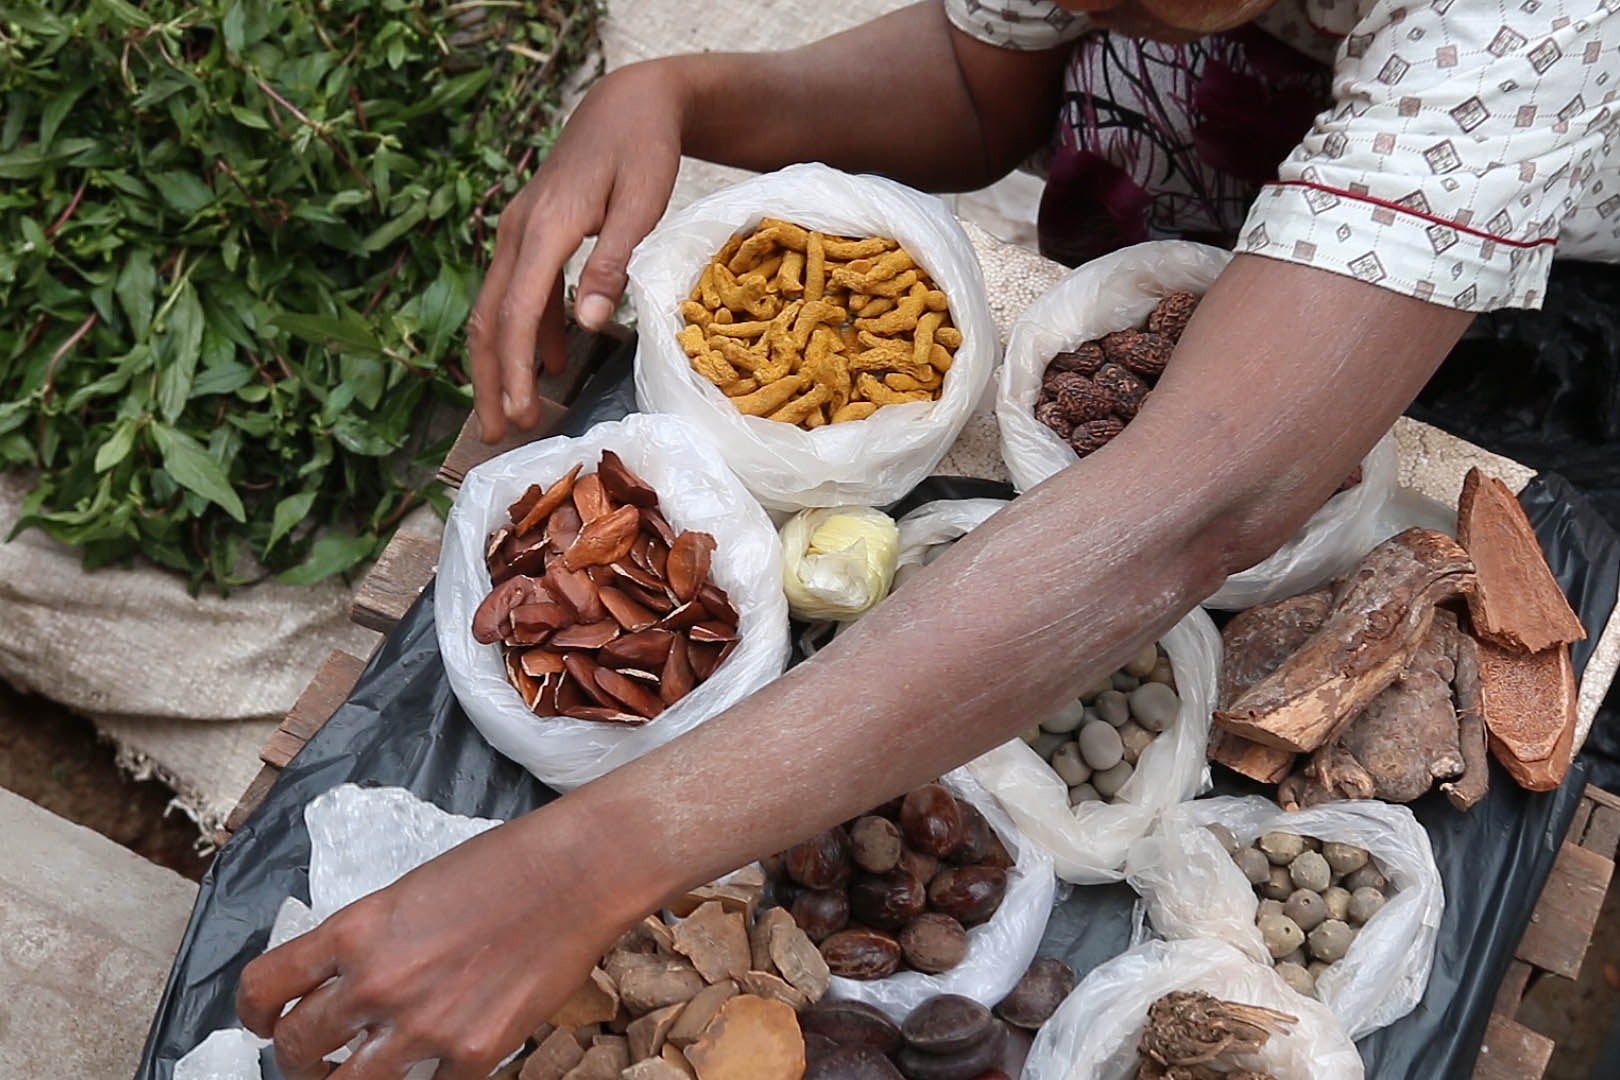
<point>1122,391</point>
<point>1172,315</point>
<point>1051,414</point>
<point>1084,400</point>
<point>1146,356</point>
<point>1084,360</point>
<point>1093,435</point>
<point>1053,381</point>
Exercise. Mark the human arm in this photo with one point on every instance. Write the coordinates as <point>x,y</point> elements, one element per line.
<point>1284,379</point>
<point>906,95</point>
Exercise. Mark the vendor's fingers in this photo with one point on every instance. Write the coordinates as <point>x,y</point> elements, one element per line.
<point>547,241</point>
<point>315,1027</point>
<point>633,209</point>
<point>286,972</point>
<point>451,1070</point>
<point>554,333</point>
<point>483,354</point>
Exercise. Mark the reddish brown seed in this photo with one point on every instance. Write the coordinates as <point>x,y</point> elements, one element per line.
<point>684,616</point>
<point>658,524</point>
<point>969,894</point>
<point>591,499</point>
<point>585,635</point>
<point>625,611</point>
<point>604,715</point>
<point>582,670</point>
<point>634,574</point>
<point>976,835</point>
<point>527,686</point>
<point>526,556</point>
<point>712,632</point>
<point>548,502</point>
<point>542,616</point>
<point>657,601</point>
<point>820,913</point>
<point>658,556</point>
<point>622,484</point>
<point>931,820</point>
<point>629,693</point>
<point>717,603</point>
<point>705,659</point>
<point>603,540</point>
<point>563,526</point>
<point>525,502</point>
<point>688,566</point>
<point>887,901</point>
<point>933,943</point>
<point>542,662</point>
<point>547,704</point>
<point>578,592</point>
<point>640,552</point>
<point>821,862</point>
<point>861,954</point>
<point>677,678</point>
<point>602,575</point>
<point>643,649</point>
<point>493,619</point>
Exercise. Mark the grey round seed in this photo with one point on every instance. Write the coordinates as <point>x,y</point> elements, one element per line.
<point>1224,835</point>
<point>1136,739</point>
<point>1069,766</point>
<point>1109,781</point>
<point>1331,940</point>
<point>1337,903</point>
<point>1281,848</point>
<point>1281,935</point>
<point>1364,904</point>
<point>1310,871</point>
<point>1141,665</point>
<point>1307,908</point>
<point>1344,858</point>
<point>1101,746</point>
<point>1154,705</point>
<point>1367,877</point>
<point>1298,978</point>
<point>1112,706</point>
<point>1065,719</point>
<point>1268,907</point>
<point>1278,885</point>
<point>1124,683</point>
<point>1048,743</point>
<point>1084,793</point>
<point>1255,866</point>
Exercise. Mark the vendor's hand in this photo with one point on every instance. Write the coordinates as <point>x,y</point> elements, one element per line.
<point>459,960</point>
<point>609,176</point>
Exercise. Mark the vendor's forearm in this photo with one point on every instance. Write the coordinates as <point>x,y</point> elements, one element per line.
<point>905,95</point>
<point>1284,380</point>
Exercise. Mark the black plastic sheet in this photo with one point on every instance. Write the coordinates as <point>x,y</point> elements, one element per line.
<point>402,726</point>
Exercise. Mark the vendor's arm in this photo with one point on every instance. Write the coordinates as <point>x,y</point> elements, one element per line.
<point>907,95</point>
<point>1283,381</point>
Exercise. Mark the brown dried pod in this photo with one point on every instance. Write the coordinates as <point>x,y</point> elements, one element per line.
<point>931,820</point>
<point>1055,380</point>
<point>1038,993</point>
<point>492,620</point>
<point>654,520</point>
<point>677,679</point>
<point>575,590</point>
<point>947,1024</point>
<point>887,901</point>
<point>548,502</point>
<point>545,615</point>
<point>1084,360</point>
<point>1146,356</point>
<point>688,565</point>
<point>604,714</point>
<point>1093,435</point>
<point>933,942</point>
<point>968,894</point>
<point>684,616</point>
<point>705,659</point>
<point>541,662</point>
<point>591,498</point>
<point>852,1023</point>
<point>820,913</point>
<point>875,844</point>
<point>655,601</point>
<point>625,611</point>
<point>642,649</point>
<point>921,866</point>
<point>1051,414</point>
<point>717,603</point>
<point>637,576</point>
<point>585,635</point>
<point>525,502</point>
<point>1122,391</point>
<point>526,556</point>
<point>629,693</point>
<point>712,631</point>
<point>1082,401</point>
<point>1172,314</point>
<point>527,686</point>
<point>604,540</point>
<point>861,954</point>
<point>975,842</point>
<point>622,484</point>
<point>821,862</point>
<point>563,526</point>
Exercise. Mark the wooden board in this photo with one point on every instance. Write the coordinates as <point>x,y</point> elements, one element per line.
<point>1512,1051</point>
<point>394,581</point>
<point>1561,926</point>
<point>329,689</point>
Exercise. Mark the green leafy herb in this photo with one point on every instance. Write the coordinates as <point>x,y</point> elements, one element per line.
<point>239,240</point>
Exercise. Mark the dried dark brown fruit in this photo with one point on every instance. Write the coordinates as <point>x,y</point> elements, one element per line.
<point>976,836</point>
<point>1083,401</point>
<point>625,611</point>
<point>947,1024</point>
<point>821,862</point>
<point>688,564</point>
<point>820,913</point>
<point>861,954</point>
<point>931,820</point>
<point>1172,314</point>
<point>604,540</point>
<point>1038,993</point>
<point>622,484</point>
<point>1093,435</point>
<point>492,620</point>
<point>997,855</point>
<point>852,1023</point>
<point>969,894</point>
<point>973,1063</point>
<point>1120,390</point>
<point>1084,360</point>
<point>1145,356</point>
<point>1055,380</point>
<point>921,866</point>
<point>933,942</point>
<point>887,901</point>
<point>875,842</point>
<point>1053,416</point>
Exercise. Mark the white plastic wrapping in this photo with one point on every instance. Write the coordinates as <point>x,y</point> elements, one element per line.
<point>843,579</point>
<point>1094,1033</point>
<point>1117,292</point>
<point>942,522</point>
<point>696,491</point>
<point>863,462</point>
<point>1194,889</point>
<point>999,951</point>
<point>1088,843</point>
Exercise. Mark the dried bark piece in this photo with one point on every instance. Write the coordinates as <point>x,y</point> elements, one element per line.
<point>673,1056</point>
<point>591,498</point>
<point>715,940</point>
<point>558,1053</point>
<point>1382,614</point>
<point>655,1069</point>
<point>800,962</point>
<point>621,960</point>
<point>759,938</point>
<point>751,1039</point>
<point>1530,711</point>
<point>603,1061</point>
<point>543,506</point>
<point>595,1001</point>
<point>604,540</point>
<point>647,1034</point>
<point>622,484</point>
<point>1516,602</point>
<point>1475,781</point>
<point>1253,645</point>
<point>688,567</point>
<point>772,987</point>
<point>645,987</point>
<point>694,1019</point>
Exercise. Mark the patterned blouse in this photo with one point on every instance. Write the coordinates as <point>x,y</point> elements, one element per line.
<point>1443,149</point>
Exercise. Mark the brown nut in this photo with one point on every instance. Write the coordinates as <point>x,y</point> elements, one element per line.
<point>976,836</point>
<point>931,820</point>
<point>887,901</point>
<point>820,913</point>
<point>875,842</point>
<point>849,1063</point>
<point>933,943</point>
<point>540,509</point>
<point>920,866</point>
<point>605,540</point>
<point>969,894</point>
<point>622,484</point>
<point>852,1023</point>
<point>947,1024</point>
<point>821,862</point>
<point>969,1064</point>
<point>861,954</point>
<point>1038,994</point>
<point>688,564</point>
<point>492,620</point>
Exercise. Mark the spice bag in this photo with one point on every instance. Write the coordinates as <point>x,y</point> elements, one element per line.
<point>696,491</point>
<point>1116,292</point>
<point>1088,843</point>
<point>862,462</point>
<point>1094,1033</point>
<point>998,951</point>
<point>1193,889</point>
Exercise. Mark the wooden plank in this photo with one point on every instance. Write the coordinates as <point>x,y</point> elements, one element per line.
<point>1578,823</point>
<point>1514,983</point>
<point>1603,832</point>
<point>257,789</point>
<point>394,581</point>
<point>1565,916</point>
<point>1512,1051</point>
<point>326,691</point>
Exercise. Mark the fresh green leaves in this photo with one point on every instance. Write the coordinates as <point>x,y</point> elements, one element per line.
<point>239,240</point>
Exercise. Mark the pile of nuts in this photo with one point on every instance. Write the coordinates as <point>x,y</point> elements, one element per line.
<point>603,611</point>
<point>1090,394</point>
<point>1314,898</point>
<point>902,884</point>
<point>712,995</point>
<point>810,329</point>
<point>947,1037</point>
<point>1094,742</point>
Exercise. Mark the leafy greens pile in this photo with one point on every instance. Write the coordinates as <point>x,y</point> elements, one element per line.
<point>238,244</point>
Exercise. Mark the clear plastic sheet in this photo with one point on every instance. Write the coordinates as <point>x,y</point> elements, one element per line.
<point>864,462</point>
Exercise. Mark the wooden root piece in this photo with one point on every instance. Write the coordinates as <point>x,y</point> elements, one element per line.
<point>1475,780</point>
<point>1529,705</point>
<point>1516,602</point>
<point>1380,615</point>
<point>1253,645</point>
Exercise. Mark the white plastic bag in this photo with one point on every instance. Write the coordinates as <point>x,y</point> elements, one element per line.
<point>1194,889</point>
<point>999,951</point>
<point>864,462</point>
<point>941,522</point>
<point>696,491</point>
<point>1094,1033</point>
<point>1088,843</point>
<point>1117,292</point>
